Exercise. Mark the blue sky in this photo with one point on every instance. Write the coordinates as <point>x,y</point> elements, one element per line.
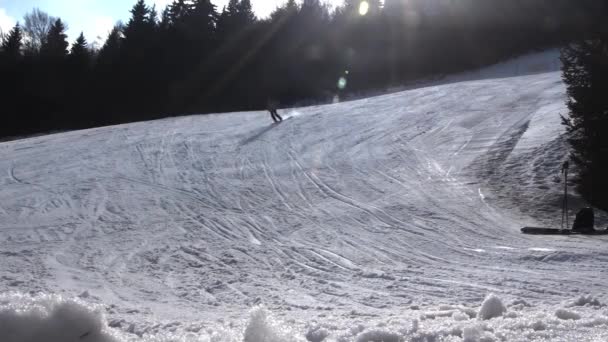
<point>96,17</point>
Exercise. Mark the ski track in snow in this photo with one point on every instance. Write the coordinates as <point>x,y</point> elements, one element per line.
<point>369,206</point>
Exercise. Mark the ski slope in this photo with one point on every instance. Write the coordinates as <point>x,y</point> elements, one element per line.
<point>392,218</point>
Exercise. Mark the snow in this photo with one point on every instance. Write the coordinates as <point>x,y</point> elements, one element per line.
<point>585,300</point>
<point>492,307</point>
<point>50,318</point>
<point>567,314</point>
<point>262,328</point>
<point>389,218</point>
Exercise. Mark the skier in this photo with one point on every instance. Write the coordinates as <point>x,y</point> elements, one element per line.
<point>272,108</point>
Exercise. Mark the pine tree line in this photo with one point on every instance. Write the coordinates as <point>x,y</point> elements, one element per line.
<point>192,58</point>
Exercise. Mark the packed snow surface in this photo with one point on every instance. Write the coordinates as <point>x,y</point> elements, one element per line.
<point>393,218</point>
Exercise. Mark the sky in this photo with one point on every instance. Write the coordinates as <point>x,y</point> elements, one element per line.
<point>97,17</point>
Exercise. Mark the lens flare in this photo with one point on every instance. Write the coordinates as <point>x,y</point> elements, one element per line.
<point>363,8</point>
<point>342,83</point>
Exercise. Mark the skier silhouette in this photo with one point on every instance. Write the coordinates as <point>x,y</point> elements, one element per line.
<point>272,108</point>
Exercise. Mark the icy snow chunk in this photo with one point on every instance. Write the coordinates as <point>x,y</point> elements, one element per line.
<point>378,336</point>
<point>376,275</point>
<point>261,327</point>
<point>511,315</point>
<point>595,322</point>
<point>447,307</point>
<point>460,316</point>
<point>317,334</point>
<point>567,314</point>
<point>585,300</point>
<point>415,325</point>
<point>520,303</point>
<point>469,312</point>
<point>539,326</point>
<point>436,314</point>
<point>50,318</point>
<point>492,307</point>
<point>476,333</point>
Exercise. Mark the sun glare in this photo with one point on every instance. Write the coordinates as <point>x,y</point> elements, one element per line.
<point>363,8</point>
<point>342,83</point>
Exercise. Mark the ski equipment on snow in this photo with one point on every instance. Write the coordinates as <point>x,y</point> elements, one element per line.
<point>583,223</point>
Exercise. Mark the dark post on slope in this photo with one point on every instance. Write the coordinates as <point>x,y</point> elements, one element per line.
<point>565,202</point>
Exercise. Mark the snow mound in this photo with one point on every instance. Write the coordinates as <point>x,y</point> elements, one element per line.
<point>585,300</point>
<point>262,327</point>
<point>539,326</point>
<point>492,307</point>
<point>567,314</point>
<point>378,336</point>
<point>317,334</point>
<point>477,333</point>
<point>594,322</point>
<point>50,318</point>
<point>459,316</point>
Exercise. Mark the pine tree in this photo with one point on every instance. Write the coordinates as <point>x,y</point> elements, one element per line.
<point>585,72</point>
<point>177,11</point>
<point>80,55</point>
<point>165,20</point>
<point>12,44</point>
<point>201,22</point>
<point>280,14</point>
<point>226,20</point>
<point>235,18</point>
<point>110,51</point>
<point>139,15</point>
<point>153,17</point>
<point>141,25</point>
<point>56,45</point>
<point>245,12</point>
<point>204,14</point>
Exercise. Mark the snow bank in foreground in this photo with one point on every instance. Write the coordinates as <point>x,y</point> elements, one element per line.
<point>50,318</point>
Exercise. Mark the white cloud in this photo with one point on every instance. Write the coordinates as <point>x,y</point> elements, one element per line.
<point>100,28</point>
<point>6,21</point>
<point>95,29</point>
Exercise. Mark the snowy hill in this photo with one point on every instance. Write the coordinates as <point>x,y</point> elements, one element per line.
<point>385,219</point>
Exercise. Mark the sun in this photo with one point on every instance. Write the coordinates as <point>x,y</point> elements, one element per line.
<point>363,8</point>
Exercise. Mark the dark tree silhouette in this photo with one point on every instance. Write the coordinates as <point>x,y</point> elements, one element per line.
<point>110,51</point>
<point>12,43</point>
<point>106,85</point>
<point>55,45</point>
<point>78,77</point>
<point>80,55</point>
<point>11,72</point>
<point>140,90</point>
<point>585,71</point>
